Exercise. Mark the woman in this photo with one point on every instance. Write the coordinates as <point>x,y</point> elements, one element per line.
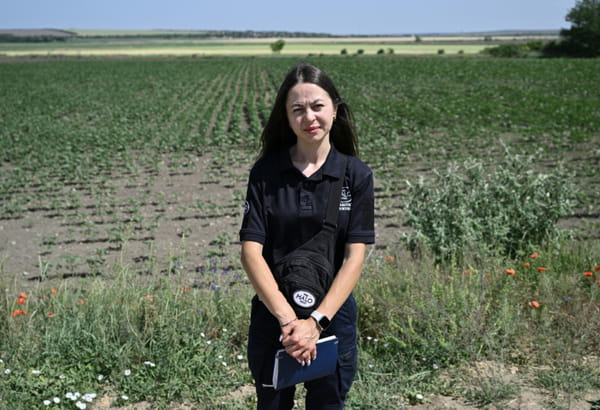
<point>308,132</point>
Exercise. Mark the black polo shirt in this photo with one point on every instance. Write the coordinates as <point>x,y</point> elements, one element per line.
<point>284,208</point>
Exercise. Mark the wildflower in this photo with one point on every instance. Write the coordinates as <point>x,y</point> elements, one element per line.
<point>389,258</point>
<point>100,377</point>
<point>534,255</point>
<point>510,271</point>
<point>127,372</point>
<point>468,272</point>
<point>54,291</point>
<point>81,302</point>
<point>419,396</point>
<point>125,397</point>
<point>149,364</point>
<point>588,274</point>
<point>224,364</point>
<point>240,357</point>
<point>62,377</point>
<point>22,312</point>
<point>597,282</point>
<point>527,265</point>
<point>89,397</point>
<point>20,301</point>
<point>56,400</point>
<point>16,313</point>
<point>534,304</point>
<point>186,288</point>
<point>50,314</point>
<point>36,372</point>
<point>80,405</point>
<point>7,371</point>
<point>47,402</point>
<point>23,295</point>
<point>541,269</point>
<point>597,268</point>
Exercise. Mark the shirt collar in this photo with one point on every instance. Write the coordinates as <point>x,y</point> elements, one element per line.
<point>332,166</point>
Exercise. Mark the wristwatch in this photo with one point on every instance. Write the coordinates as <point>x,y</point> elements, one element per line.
<point>322,321</point>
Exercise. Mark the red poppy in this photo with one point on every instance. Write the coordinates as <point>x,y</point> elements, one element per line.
<point>23,295</point>
<point>534,255</point>
<point>510,271</point>
<point>389,258</point>
<point>526,265</point>
<point>54,291</point>
<point>540,269</point>
<point>597,268</point>
<point>20,301</point>
<point>597,282</point>
<point>534,304</point>
<point>23,312</point>
<point>468,272</point>
<point>186,288</point>
<point>16,313</point>
<point>588,274</point>
<point>50,314</point>
<point>81,302</point>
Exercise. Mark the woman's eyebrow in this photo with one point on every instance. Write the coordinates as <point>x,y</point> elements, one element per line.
<point>301,103</point>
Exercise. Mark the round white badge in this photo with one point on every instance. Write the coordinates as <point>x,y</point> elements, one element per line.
<point>304,298</point>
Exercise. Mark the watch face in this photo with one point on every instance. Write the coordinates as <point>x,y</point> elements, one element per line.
<point>324,322</point>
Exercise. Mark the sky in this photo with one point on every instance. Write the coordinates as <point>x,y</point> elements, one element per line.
<point>329,16</point>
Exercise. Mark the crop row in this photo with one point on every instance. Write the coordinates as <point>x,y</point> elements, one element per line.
<point>106,147</point>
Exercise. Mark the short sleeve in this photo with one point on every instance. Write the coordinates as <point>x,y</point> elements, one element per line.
<point>361,226</point>
<point>253,222</point>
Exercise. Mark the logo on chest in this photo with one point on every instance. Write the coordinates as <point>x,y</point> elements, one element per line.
<point>346,199</point>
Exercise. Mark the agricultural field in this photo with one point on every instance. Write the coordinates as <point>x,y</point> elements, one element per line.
<point>143,46</point>
<point>140,164</point>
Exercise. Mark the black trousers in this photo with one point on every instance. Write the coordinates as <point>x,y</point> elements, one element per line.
<point>325,393</point>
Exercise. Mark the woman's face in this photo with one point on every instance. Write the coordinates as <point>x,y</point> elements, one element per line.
<point>310,113</point>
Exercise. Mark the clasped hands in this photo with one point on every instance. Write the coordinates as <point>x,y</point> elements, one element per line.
<point>299,338</point>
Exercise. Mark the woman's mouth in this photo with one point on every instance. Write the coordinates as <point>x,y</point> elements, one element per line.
<point>312,130</point>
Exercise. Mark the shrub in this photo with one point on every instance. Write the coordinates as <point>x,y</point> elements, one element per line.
<point>505,210</point>
<point>511,50</point>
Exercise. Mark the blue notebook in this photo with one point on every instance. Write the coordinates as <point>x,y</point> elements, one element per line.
<point>288,371</point>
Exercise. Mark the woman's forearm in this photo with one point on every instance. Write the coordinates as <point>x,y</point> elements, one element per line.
<point>345,280</point>
<point>264,283</point>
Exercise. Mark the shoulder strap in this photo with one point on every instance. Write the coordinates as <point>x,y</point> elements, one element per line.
<point>333,204</point>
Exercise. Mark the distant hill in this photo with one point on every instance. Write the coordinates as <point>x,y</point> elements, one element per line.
<point>48,35</point>
<point>34,35</point>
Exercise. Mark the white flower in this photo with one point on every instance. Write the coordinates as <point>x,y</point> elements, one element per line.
<point>89,397</point>
<point>36,372</point>
<point>224,364</point>
<point>208,342</point>
<point>435,366</point>
<point>124,397</point>
<point>375,340</point>
<point>1,361</point>
<point>220,356</point>
<point>47,402</point>
<point>419,396</point>
<point>100,377</point>
<point>80,405</point>
<point>56,400</point>
<point>371,366</point>
<point>202,334</point>
<point>240,357</point>
<point>369,338</point>
<point>7,371</point>
<point>150,364</point>
<point>127,372</point>
<point>62,377</point>
<point>224,330</point>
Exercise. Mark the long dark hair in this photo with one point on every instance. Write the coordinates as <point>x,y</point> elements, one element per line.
<point>277,133</point>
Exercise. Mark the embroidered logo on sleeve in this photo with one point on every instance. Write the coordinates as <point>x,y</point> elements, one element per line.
<point>246,207</point>
<point>346,199</point>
